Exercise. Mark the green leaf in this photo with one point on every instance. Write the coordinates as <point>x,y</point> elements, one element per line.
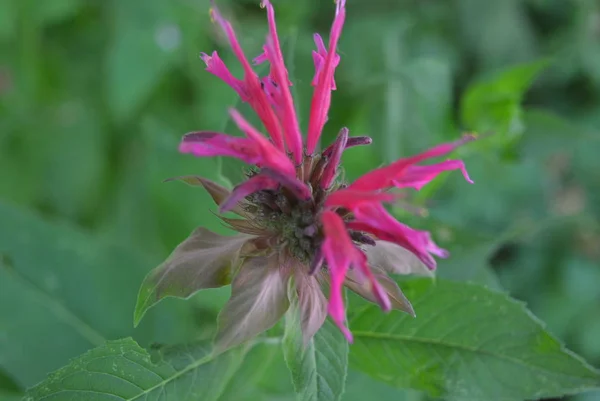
<point>122,371</point>
<point>203,260</point>
<point>494,104</point>
<point>318,368</point>
<point>467,343</point>
<point>361,387</point>
<point>75,288</point>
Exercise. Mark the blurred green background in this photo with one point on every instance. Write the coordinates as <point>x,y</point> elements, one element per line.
<point>95,95</point>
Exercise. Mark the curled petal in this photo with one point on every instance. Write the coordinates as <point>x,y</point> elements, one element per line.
<point>319,58</point>
<point>270,155</point>
<point>418,176</point>
<point>257,183</point>
<point>385,177</point>
<point>336,155</point>
<point>207,143</point>
<point>217,67</point>
<point>374,219</point>
<point>322,95</point>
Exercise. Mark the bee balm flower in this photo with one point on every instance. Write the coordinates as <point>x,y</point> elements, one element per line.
<point>300,228</point>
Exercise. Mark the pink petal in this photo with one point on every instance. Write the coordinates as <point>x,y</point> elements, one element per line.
<point>417,176</point>
<point>338,250</point>
<point>384,177</point>
<point>322,94</point>
<point>373,218</point>
<point>254,92</point>
<point>334,160</point>
<point>206,143</point>
<point>217,67</point>
<point>350,199</point>
<point>270,155</point>
<point>285,106</point>
<point>257,183</point>
<point>319,57</point>
<point>377,290</point>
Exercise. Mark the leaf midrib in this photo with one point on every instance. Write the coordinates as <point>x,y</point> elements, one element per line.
<point>433,342</point>
<point>196,364</point>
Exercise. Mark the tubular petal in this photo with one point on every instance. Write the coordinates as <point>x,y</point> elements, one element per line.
<point>384,177</point>
<point>322,94</point>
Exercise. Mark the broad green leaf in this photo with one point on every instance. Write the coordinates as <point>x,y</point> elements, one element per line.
<point>75,288</point>
<point>122,371</point>
<point>467,343</point>
<point>318,368</point>
<point>493,104</point>
<point>258,300</point>
<point>245,384</point>
<point>360,387</point>
<point>203,260</point>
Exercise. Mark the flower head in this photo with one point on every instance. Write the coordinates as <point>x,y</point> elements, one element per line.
<point>301,227</point>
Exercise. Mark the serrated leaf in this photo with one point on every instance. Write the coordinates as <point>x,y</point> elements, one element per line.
<point>467,343</point>
<point>258,300</point>
<point>122,371</point>
<point>203,260</point>
<point>318,369</point>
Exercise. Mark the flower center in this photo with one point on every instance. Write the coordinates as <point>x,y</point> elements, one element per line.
<point>292,221</point>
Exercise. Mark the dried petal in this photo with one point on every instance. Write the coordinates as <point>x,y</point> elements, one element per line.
<point>217,192</point>
<point>363,288</point>
<point>203,260</point>
<point>312,304</point>
<point>394,259</point>
<point>258,300</point>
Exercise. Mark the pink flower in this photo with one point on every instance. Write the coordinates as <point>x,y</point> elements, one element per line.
<point>300,222</point>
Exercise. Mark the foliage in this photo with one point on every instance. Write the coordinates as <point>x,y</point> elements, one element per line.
<point>94,97</point>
